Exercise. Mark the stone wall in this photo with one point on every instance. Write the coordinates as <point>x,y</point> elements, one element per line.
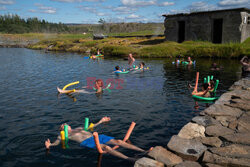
<point>219,136</point>
<point>199,26</point>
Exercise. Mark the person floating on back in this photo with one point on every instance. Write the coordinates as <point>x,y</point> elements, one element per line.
<point>86,139</point>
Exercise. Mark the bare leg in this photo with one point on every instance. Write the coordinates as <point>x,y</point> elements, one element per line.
<point>125,145</point>
<point>116,153</point>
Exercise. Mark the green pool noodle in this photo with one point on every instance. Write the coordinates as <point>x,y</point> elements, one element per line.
<point>86,125</point>
<point>212,77</point>
<point>205,80</point>
<point>208,79</point>
<point>66,143</point>
<point>66,132</point>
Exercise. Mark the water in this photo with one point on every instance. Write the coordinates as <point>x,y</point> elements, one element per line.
<point>31,110</point>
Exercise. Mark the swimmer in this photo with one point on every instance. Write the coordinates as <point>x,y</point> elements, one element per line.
<point>190,62</point>
<point>131,60</point>
<point>205,91</point>
<point>141,66</point>
<point>117,69</point>
<point>245,66</point>
<point>86,139</point>
<point>214,67</point>
<point>99,86</point>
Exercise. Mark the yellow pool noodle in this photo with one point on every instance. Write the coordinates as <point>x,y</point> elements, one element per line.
<point>70,84</point>
<point>62,135</point>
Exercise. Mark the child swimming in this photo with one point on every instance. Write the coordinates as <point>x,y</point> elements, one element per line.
<point>205,91</point>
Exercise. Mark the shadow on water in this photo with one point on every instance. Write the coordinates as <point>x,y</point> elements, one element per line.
<point>31,111</point>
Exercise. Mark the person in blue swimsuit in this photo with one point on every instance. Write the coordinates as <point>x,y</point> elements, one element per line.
<point>86,139</point>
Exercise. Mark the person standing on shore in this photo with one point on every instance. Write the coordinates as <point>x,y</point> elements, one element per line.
<point>131,60</point>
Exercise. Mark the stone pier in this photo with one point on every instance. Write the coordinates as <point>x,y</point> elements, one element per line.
<point>219,136</point>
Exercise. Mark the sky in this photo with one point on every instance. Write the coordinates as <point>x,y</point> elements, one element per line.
<point>91,11</point>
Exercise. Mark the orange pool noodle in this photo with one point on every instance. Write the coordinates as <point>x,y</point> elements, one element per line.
<point>127,134</point>
<point>196,83</point>
<point>97,143</point>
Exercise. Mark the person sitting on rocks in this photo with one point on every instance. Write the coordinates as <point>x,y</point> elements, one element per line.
<point>245,66</point>
<point>86,139</point>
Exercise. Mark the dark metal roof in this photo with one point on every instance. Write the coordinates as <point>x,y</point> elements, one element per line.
<point>207,12</point>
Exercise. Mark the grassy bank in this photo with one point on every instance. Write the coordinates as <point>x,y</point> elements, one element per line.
<point>141,47</point>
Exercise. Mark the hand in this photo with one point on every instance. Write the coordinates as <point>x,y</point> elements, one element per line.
<point>105,119</point>
<point>47,144</point>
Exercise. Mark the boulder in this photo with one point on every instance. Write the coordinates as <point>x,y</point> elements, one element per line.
<point>211,141</point>
<point>222,110</point>
<point>162,155</point>
<point>244,123</point>
<point>239,103</point>
<point>234,151</point>
<point>147,162</point>
<point>240,138</point>
<point>218,130</point>
<point>205,120</point>
<point>192,130</point>
<point>188,164</point>
<point>225,161</point>
<point>188,149</point>
<point>225,120</point>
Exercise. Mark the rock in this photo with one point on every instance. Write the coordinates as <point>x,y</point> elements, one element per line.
<point>205,120</point>
<point>147,162</point>
<point>225,120</point>
<point>233,151</point>
<point>188,149</point>
<point>222,110</point>
<point>241,138</point>
<point>211,141</point>
<point>162,155</point>
<point>241,84</point>
<point>188,164</point>
<point>218,130</point>
<point>224,98</point>
<point>192,130</point>
<point>244,123</point>
<point>225,161</point>
<point>212,165</point>
<point>239,103</point>
<point>233,125</point>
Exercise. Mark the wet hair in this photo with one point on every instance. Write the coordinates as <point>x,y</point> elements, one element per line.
<point>117,67</point>
<point>205,86</point>
<point>142,63</point>
<point>99,81</point>
<point>212,84</point>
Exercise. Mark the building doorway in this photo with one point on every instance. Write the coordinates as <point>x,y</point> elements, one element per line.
<point>181,31</point>
<point>217,30</point>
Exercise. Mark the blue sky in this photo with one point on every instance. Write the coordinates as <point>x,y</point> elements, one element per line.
<point>90,11</point>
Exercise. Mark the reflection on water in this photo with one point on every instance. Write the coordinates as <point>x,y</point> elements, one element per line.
<point>31,110</point>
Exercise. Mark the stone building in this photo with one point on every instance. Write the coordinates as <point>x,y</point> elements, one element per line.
<point>219,26</point>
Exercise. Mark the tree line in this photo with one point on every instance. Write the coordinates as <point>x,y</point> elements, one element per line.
<point>16,24</point>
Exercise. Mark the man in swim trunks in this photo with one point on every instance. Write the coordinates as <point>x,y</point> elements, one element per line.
<point>131,60</point>
<point>86,139</point>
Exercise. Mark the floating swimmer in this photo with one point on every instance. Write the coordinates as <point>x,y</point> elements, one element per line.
<point>86,139</point>
<point>117,70</point>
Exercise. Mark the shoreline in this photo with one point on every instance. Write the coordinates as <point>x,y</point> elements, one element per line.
<point>219,136</point>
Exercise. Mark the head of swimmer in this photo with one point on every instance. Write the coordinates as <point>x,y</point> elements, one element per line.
<point>205,86</point>
<point>99,83</point>
<point>62,127</point>
<point>142,64</point>
<point>189,58</point>
<point>117,68</point>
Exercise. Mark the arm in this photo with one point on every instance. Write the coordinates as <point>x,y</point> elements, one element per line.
<point>55,143</point>
<point>199,93</point>
<point>242,60</point>
<point>104,119</point>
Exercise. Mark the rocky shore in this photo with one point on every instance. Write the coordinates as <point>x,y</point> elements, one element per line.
<point>219,136</point>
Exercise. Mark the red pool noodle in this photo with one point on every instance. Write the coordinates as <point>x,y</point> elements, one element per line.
<point>97,143</point>
<point>127,134</point>
<point>196,83</point>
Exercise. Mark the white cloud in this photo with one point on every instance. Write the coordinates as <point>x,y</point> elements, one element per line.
<point>71,1</point>
<point>201,6</point>
<point>43,9</point>
<point>6,2</point>
<point>133,16</point>
<point>234,3</point>
<point>136,3</point>
<point>166,4</point>
<point>2,8</point>
<point>124,10</point>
